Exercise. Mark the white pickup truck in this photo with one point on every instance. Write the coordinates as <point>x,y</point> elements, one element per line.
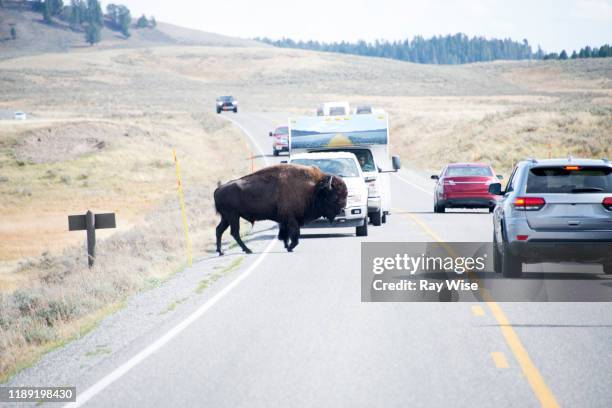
<point>345,165</point>
<point>366,136</point>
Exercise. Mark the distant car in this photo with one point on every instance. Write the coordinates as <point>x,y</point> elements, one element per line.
<point>280,143</point>
<point>19,115</point>
<point>363,110</point>
<point>227,103</point>
<point>556,210</point>
<point>346,166</point>
<point>465,185</point>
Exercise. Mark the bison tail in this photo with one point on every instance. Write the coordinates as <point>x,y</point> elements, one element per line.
<point>218,183</point>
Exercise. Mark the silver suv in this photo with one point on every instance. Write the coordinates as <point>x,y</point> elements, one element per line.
<point>557,210</point>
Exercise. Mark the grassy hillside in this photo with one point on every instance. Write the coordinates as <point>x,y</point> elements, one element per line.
<point>34,36</point>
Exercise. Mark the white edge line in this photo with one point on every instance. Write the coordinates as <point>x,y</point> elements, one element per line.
<point>250,136</point>
<point>120,371</point>
<point>414,185</point>
<point>169,335</point>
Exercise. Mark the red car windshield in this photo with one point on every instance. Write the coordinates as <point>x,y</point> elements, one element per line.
<point>469,171</point>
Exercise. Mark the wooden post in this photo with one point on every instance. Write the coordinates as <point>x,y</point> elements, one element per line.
<point>90,224</point>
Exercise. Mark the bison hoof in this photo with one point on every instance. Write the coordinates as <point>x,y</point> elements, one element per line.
<point>289,249</point>
<point>248,251</point>
<point>220,253</point>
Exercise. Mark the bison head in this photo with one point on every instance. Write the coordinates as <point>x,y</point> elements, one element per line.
<point>330,196</point>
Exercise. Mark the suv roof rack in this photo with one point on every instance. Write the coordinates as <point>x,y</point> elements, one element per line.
<point>531,159</point>
<point>604,159</point>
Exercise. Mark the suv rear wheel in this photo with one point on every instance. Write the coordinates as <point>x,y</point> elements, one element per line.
<point>439,208</point>
<point>511,266</point>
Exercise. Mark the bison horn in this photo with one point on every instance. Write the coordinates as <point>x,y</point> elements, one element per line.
<point>330,182</point>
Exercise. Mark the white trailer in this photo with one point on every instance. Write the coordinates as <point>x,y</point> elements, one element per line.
<point>366,136</point>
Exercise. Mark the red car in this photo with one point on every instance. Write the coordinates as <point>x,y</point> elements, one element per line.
<point>465,185</point>
<point>280,143</point>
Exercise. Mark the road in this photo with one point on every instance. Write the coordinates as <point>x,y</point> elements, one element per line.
<point>290,330</point>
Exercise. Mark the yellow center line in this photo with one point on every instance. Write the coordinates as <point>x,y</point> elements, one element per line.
<point>500,359</point>
<point>535,379</point>
<point>477,311</point>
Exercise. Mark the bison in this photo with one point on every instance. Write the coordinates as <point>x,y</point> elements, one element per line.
<point>289,194</point>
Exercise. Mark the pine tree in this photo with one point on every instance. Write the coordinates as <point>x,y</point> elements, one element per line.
<point>574,55</point>
<point>13,33</point>
<point>142,22</point>
<point>76,16</point>
<point>92,34</point>
<point>125,19</point>
<point>152,22</point>
<point>46,11</point>
<point>563,55</point>
<point>94,13</point>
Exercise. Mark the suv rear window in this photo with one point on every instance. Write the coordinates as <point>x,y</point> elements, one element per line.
<point>565,180</point>
<point>469,171</point>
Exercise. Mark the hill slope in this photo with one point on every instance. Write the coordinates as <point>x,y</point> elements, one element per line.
<point>34,36</point>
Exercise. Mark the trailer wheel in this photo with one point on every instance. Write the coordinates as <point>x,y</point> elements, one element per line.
<point>376,218</point>
<point>363,230</point>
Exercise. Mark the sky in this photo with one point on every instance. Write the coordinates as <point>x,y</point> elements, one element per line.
<point>555,25</point>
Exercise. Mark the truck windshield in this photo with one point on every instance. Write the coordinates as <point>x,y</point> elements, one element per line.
<point>364,157</point>
<point>569,180</point>
<point>337,167</point>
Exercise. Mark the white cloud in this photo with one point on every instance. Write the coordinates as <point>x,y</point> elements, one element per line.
<point>599,10</point>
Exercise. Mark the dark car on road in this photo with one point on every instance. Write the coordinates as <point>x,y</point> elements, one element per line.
<point>465,185</point>
<point>555,210</point>
<point>227,103</point>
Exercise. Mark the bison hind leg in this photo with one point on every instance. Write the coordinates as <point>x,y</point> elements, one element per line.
<point>283,235</point>
<point>293,230</point>
<point>220,230</point>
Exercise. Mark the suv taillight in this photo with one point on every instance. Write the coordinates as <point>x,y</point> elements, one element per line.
<point>607,203</point>
<point>529,203</point>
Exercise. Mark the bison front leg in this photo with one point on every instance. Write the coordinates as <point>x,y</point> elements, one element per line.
<point>293,230</point>
<point>235,231</point>
<point>220,230</point>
